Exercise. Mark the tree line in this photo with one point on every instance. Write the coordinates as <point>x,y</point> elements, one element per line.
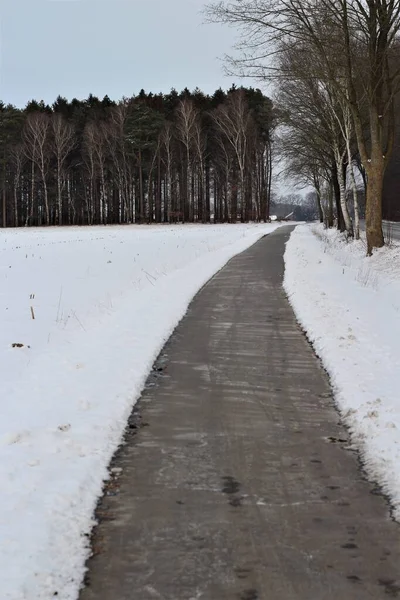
<point>335,66</point>
<point>152,158</point>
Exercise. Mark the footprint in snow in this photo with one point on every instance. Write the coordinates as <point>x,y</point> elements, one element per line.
<point>15,437</point>
<point>64,427</point>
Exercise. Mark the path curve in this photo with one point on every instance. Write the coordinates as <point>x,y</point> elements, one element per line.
<point>236,483</point>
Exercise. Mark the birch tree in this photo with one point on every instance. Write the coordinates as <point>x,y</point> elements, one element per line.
<point>167,141</point>
<point>63,142</point>
<point>186,118</point>
<point>18,158</point>
<point>200,143</point>
<point>36,137</point>
<point>233,119</point>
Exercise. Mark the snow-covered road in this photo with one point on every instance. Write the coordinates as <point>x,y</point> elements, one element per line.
<point>349,305</point>
<point>104,301</point>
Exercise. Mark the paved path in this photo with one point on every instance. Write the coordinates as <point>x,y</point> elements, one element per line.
<point>238,485</point>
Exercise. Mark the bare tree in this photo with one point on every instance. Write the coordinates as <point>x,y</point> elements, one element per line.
<point>63,142</point>
<point>18,158</point>
<point>223,168</point>
<point>233,119</point>
<point>360,37</point>
<point>200,144</point>
<point>90,163</point>
<point>36,138</point>
<point>311,141</point>
<point>155,154</point>
<point>147,158</point>
<point>95,145</point>
<point>167,140</point>
<point>341,113</point>
<point>187,116</point>
<point>117,148</point>
<point>320,106</point>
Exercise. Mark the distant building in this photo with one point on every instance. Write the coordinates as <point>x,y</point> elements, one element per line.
<point>282,211</point>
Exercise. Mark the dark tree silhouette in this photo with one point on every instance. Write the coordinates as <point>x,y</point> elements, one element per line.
<point>153,158</point>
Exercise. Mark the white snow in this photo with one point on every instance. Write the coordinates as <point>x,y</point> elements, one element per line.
<point>105,300</point>
<point>349,306</point>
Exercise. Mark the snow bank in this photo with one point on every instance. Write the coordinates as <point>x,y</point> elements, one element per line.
<point>105,300</point>
<point>349,305</point>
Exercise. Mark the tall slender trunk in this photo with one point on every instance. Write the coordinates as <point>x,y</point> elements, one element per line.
<point>167,192</point>
<point>91,204</point>
<point>263,188</point>
<point>226,216</point>
<point>4,205</point>
<point>136,200</point>
<point>15,205</point>
<point>342,191</point>
<point>29,214</point>
<point>207,207</point>
<point>200,200</point>
<point>331,192</point>
<point>270,166</point>
<point>71,206</point>
<point>141,189</point>
<point>319,203</point>
<point>150,200</point>
<point>336,191</point>
<point>356,207</point>
<point>242,196</point>
<point>59,194</point>
<point>102,203</point>
<point>150,187</point>
<point>187,209</point>
<point>158,191</point>
<point>234,197</point>
<point>46,198</point>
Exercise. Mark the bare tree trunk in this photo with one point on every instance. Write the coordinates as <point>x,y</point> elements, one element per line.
<point>102,195</point>
<point>150,199</point>
<point>319,203</point>
<point>91,207</point>
<point>29,216</point>
<point>71,205</point>
<point>342,193</point>
<point>208,210</point>
<point>167,193</point>
<point>158,192</point>
<point>188,209</point>
<point>353,186</point>
<point>46,197</point>
<point>373,215</point>
<point>269,177</point>
<point>336,190</point>
<point>141,190</point>
<point>330,204</point>
<point>15,206</point>
<point>4,205</point>
<point>36,138</point>
<point>59,194</point>
<point>234,197</point>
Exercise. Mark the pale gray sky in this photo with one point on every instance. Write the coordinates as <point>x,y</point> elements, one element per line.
<point>114,47</point>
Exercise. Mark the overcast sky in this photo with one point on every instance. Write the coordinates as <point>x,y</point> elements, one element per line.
<point>114,47</point>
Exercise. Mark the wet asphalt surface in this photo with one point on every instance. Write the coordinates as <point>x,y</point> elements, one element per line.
<point>237,479</point>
